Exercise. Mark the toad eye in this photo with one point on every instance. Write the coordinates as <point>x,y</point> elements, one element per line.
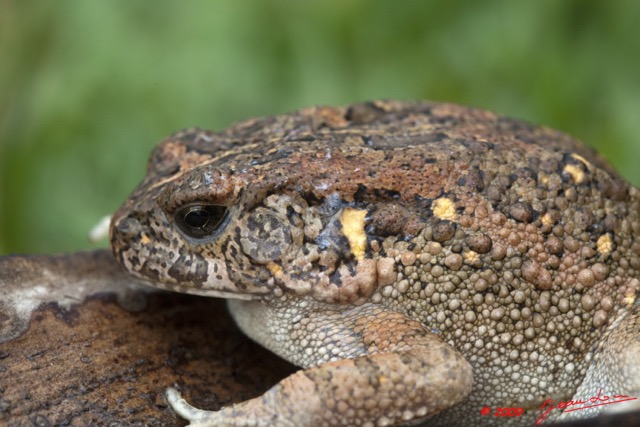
<point>200,221</point>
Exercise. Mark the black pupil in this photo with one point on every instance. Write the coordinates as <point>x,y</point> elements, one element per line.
<point>201,221</point>
<point>197,218</point>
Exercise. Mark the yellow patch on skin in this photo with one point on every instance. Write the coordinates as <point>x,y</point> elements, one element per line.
<point>547,219</point>
<point>352,221</point>
<point>630,294</point>
<point>576,173</point>
<point>145,240</point>
<point>604,244</point>
<point>471,257</point>
<point>445,208</point>
<point>629,300</point>
<point>275,269</point>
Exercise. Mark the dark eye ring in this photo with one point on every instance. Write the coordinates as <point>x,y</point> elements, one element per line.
<point>200,221</point>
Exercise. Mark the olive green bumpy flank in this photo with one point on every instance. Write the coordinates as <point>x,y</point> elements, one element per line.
<point>511,245</point>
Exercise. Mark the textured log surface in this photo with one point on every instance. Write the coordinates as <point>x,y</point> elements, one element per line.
<point>107,359</point>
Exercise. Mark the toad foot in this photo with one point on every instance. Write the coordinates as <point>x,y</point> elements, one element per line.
<point>375,390</point>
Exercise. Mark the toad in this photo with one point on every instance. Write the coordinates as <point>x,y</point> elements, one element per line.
<point>417,260</point>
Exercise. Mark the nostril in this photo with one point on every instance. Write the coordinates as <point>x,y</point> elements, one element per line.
<point>128,227</point>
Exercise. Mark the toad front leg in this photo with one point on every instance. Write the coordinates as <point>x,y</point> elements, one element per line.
<point>388,370</point>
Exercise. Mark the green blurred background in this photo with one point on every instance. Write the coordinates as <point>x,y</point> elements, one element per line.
<point>87,88</point>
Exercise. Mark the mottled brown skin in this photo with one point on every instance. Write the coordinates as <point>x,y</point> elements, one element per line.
<point>419,260</point>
